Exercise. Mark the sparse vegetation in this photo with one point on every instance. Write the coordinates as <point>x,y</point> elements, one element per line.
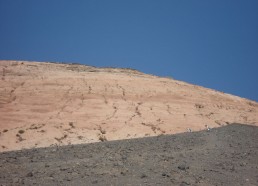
<point>137,111</point>
<point>19,137</point>
<point>169,77</point>
<point>218,122</point>
<point>90,89</point>
<point>105,99</point>
<point>35,126</point>
<point>3,77</point>
<point>252,104</point>
<point>199,106</point>
<point>71,124</point>
<point>154,128</point>
<point>102,131</point>
<point>62,138</point>
<point>102,138</point>
<point>21,131</point>
<point>80,137</point>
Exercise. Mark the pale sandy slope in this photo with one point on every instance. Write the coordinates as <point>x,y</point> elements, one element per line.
<point>44,104</point>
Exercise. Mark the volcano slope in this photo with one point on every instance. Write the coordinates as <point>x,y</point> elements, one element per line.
<point>221,156</point>
<point>46,104</point>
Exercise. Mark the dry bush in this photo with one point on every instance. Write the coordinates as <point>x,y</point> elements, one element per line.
<point>102,131</point>
<point>21,131</point>
<point>71,124</point>
<point>197,105</point>
<point>102,138</point>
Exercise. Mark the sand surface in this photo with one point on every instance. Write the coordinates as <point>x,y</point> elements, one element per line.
<point>49,104</point>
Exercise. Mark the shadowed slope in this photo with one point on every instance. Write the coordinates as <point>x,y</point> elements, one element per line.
<point>222,156</point>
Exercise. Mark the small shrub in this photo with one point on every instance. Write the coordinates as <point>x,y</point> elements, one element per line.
<point>19,137</point>
<point>71,124</point>
<point>80,137</point>
<point>5,130</point>
<point>102,138</point>
<point>102,131</point>
<point>197,105</point>
<point>21,131</point>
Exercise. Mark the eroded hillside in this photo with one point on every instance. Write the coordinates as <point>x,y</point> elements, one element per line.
<point>44,104</point>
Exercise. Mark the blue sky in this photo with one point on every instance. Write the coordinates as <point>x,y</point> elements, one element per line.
<point>209,43</point>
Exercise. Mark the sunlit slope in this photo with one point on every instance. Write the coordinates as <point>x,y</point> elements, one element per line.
<point>44,104</point>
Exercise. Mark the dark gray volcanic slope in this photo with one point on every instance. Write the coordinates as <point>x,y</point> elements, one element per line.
<point>222,156</point>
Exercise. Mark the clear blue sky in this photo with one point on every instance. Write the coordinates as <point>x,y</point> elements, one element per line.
<point>209,43</point>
